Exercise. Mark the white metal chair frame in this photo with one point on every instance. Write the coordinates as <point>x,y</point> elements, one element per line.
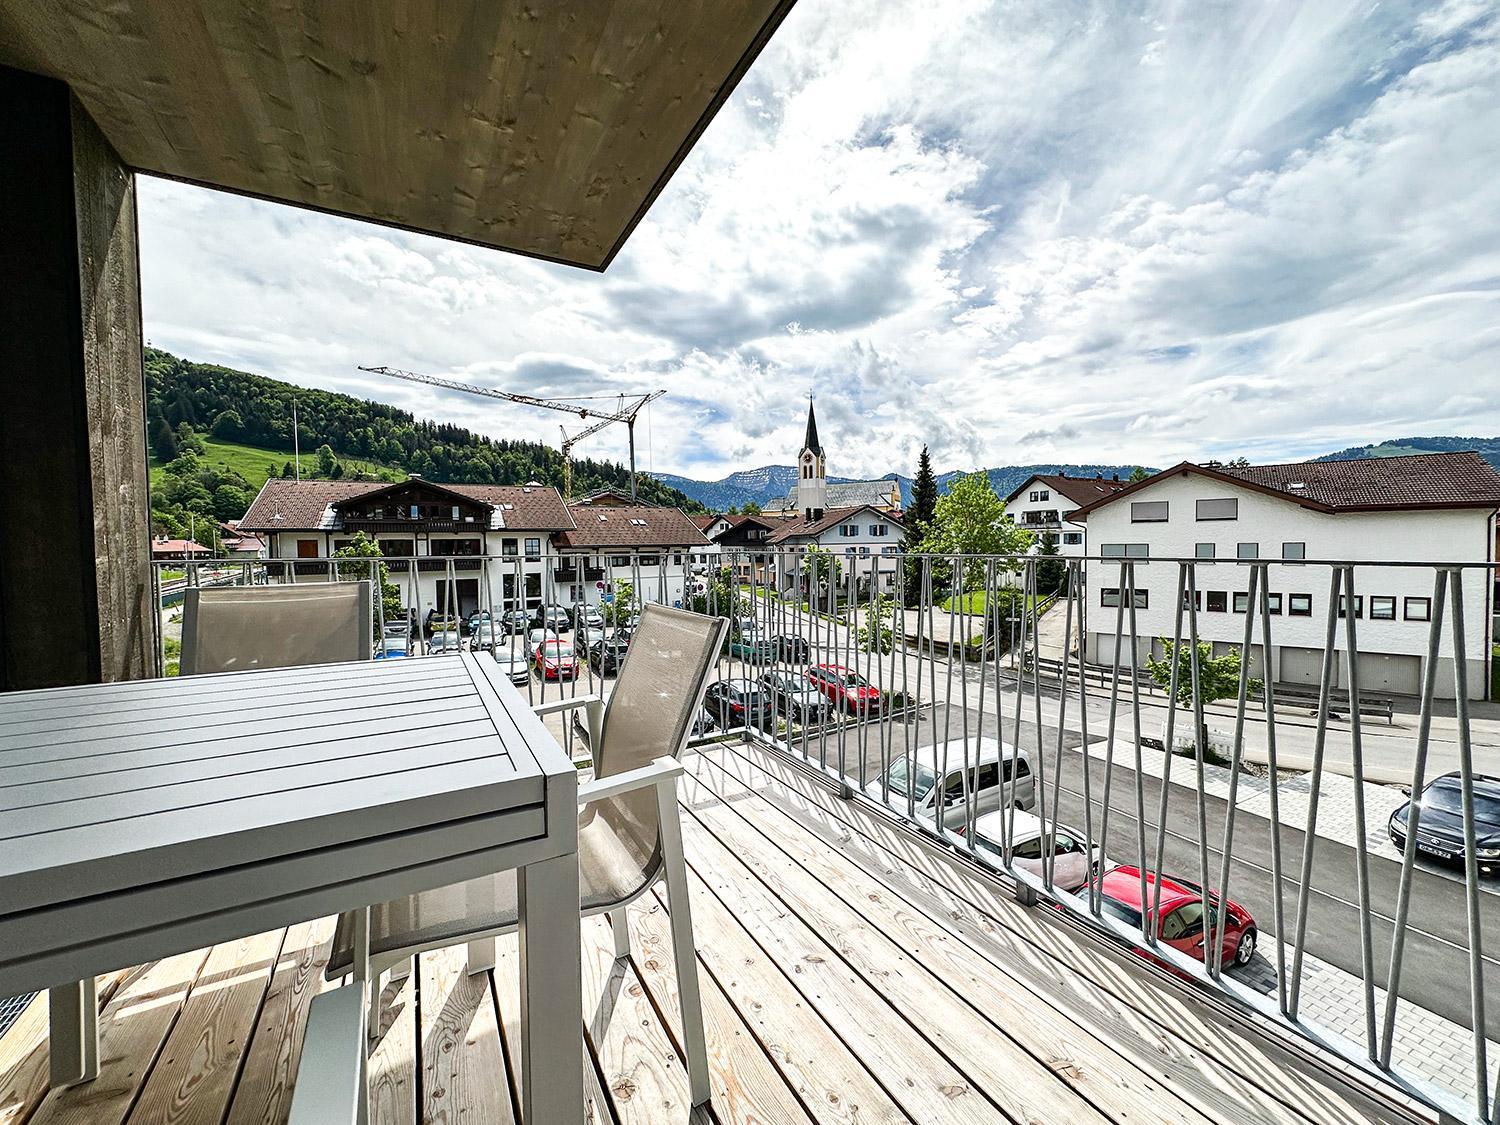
<point>662,774</point>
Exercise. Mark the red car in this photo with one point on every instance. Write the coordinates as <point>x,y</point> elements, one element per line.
<point>845,687</point>
<point>1181,924</point>
<point>555,660</point>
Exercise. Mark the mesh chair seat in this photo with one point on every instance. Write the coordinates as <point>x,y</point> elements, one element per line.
<point>236,628</point>
<point>657,692</point>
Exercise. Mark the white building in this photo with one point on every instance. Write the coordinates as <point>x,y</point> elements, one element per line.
<point>1044,501</point>
<point>1437,508</point>
<point>651,547</point>
<point>442,526</point>
<point>866,541</point>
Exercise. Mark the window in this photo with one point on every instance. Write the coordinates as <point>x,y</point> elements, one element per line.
<point>848,530</point>
<point>1040,494</point>
<point>1359,605</point>
<point>1247,551</point>
<point>1204,550</point>
<point>533,546</point>
<point>1216,601</point>
<point>1299,605</point>
<point>1293,552</point>
<point>880,530</point>
<point>1109,597</point>
<point>397,548</point>
<point>507,546</point>
<point>1419,609</point>
<point>1184,922</point>
<point>1072,538</point>
<point>447,548</point>
<point>1241,602</point>
<point>1126,550</point>
<point>650,560</point>
<point>1274,603</point>
<point>1192,599</point>
<point>619,560</point>
<point>1228,509</point>
<point>1382,608</point>
<point>1148,511</point>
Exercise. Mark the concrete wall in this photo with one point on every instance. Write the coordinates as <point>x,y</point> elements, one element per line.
<point>75,525</point>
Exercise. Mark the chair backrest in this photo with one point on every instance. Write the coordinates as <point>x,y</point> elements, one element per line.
<point>233,628</point>
<point>656,696</point>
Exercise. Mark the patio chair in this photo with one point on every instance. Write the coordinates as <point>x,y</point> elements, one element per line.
<point>629,831</point>
<point>232,628</point>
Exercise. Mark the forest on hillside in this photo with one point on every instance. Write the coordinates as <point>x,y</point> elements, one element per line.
<point>187,400</point>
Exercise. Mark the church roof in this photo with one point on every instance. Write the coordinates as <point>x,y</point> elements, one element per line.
<point>811,440</point>
<point>847,494</point>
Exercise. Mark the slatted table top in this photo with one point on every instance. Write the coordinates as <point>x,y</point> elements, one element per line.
<point>109,788</point>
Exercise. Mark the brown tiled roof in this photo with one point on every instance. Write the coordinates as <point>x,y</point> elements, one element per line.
<point>641,526</point>
<point>1420,480</point>
<point>703,523</point>
<point>301,504</point>
<point>1080,490</point>
<point>805,528</point>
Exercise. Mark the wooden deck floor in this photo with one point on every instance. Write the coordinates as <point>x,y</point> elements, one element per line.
<point>851,974</point>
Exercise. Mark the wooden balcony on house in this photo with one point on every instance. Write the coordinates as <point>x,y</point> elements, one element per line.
<point>852,972</point>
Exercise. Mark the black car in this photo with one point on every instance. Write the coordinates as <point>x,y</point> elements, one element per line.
<point>791,648</point>
<point>1440,829</point>
<point>740,703</point>
<point>607,654</point>
<point>554,617</point>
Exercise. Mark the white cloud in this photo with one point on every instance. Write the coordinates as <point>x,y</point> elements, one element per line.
<point>1007,232</point>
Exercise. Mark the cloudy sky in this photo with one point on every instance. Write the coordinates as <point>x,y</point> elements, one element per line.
<point>1017,232</point>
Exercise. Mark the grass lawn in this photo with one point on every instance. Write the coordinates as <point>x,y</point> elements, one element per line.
<point>255,465</point>
<point>973,602</point>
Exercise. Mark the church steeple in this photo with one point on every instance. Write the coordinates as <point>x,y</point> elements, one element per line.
<point>812,478</point>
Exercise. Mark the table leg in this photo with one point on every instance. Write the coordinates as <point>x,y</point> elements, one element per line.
<point>551,992</point>
<point>73,1030</point>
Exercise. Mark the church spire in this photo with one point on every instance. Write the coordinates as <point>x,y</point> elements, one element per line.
<point>811,440</point>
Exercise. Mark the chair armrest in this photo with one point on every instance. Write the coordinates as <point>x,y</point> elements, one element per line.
<point>558,705</point>
<point>656,772</point>
<point>331,1076</point>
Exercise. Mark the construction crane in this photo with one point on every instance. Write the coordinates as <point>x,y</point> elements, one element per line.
<point>626,409</point>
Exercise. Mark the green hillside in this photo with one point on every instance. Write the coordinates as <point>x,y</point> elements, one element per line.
<point>255,463</point>
<point>1488,448</point>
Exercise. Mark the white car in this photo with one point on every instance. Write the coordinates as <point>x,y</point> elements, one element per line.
<point>536,637</point>
<point>1072,866</point>
<point>980,781</point>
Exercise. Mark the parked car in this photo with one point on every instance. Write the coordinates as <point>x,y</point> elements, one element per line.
<point>739,703</point>
<point>516,620</point>
<point>554,617</point>
<point>846,688</point>
<point>918,776</point>
<point>607,654</point>
<point>390,648</point>
<point>513,664</point>
<point>444,641</point>
<point>537,636</point>
<point>488,635</point>
<point>588,617</point>
<point>555,660</point>
<point>792,648</point>
<point>1072,866</point>
<point>1440,828</point>
<point>751,647</point>
<point>1181,921</point>
<point>794,696</point>
<point>704,724</point>
<point>474,620</point>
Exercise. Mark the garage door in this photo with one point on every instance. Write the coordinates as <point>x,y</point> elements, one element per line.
<point>1387,672</point>
<point>1301,665</point>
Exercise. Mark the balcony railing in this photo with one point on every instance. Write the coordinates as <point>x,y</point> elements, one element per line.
<point>1281,798</point>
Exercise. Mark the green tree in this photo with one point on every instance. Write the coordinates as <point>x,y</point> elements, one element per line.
<point>327,462</point>
<point>1051,571</point>
<point>163,440</point>
<point>227,425</point>
<point>721,596</point>
<point>230,502</point>
<point>618,611</point>
<point>750,508</point>
<point>918,520</point>
<point>362,546</point>
<point>1137,474</point>
<point>971,520</point>
<point>188,439</point>
<point>821,571</point>
<point>1218,676</point>
<point>874,632</point>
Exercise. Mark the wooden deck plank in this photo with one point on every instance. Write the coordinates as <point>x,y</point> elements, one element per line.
<point>1099,990</point>
<point>25,1057</point>
<point>392,1067</point>
<point>200,1062</point>
<point>264,1093</point>
<point>463,1068</point>
<point>916,1074</point>
<point>506,979</point>
<point>132,1029</point>
<point>644,1074</point>
<point>952,993</point>
<point>747,1087</point>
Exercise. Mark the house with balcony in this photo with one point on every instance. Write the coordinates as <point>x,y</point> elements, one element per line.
<point>1437,508</point>
<point>1044,501</point>
<point>436,535</point>
<point>865,540</point>
<point>648,546</point>
<point>744,539</point>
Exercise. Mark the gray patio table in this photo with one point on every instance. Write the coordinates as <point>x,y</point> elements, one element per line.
<point>143,819</point>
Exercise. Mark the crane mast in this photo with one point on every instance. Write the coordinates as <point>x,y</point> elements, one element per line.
<point>628,407</point>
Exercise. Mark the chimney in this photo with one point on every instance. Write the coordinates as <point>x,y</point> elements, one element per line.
<point>1114,476</point>
<point>413,476</point>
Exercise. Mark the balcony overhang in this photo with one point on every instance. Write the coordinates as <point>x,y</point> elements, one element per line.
<point>545,130</point>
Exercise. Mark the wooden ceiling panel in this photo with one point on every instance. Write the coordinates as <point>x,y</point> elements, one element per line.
<point>542,128</point>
